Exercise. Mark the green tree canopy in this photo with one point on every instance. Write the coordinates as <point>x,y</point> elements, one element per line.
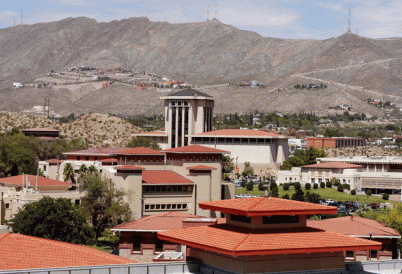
<point>248,169</point>
<point>303,157</point>
<point>143,142</point>
<point>104,203</point>
<point>227,164</point>
<point>55,219</point>
<point>68,172</point>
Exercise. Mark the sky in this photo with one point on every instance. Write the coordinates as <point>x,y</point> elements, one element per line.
<point>292,19</point>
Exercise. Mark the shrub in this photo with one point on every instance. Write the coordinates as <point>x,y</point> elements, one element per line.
<point>285,186</point>
<point>261,186</point>
<point>243,183</point>
<point>322,185</point>
<point>385,196</point>
<point>286,196</point>
<point>346,186</point>
<point>307,186</point>
<point>250,186</point>
<point>328,184</point>
<point>297,185</point>
<point>340,188</point>
<point>315,186</point>
<point>368,192</point>
<point>353,192</point>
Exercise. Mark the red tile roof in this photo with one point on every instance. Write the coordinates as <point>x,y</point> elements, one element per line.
<point>108,151</point>
<point>355,226</point>
<point>26,252</point>
<point>109,160</point>
<point>40,129</point>
<point>54,161</point>
<point>238,241</point>
<point>157,222</point>
<point>129,167</point>
<point>139,151</point>
<point>165,177</point>
<point>240,133</point>
<point>263,206</point>
<point>42,181</point>
<point>333,165</point>
<point>195,149</point>
<point>157,133</point>
<point>201,167</point>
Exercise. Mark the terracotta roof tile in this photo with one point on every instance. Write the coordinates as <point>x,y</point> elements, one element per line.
<point>54,161</point>
<point>239,133</point>
<point>263,206</point>
<point>128,167</point>
<point>195,149</point>
<point>42,181</point>
<point>237,241</point>
<point>109,160</point>
<point>333,165</point>
<point>139,151</point>
<point>355,226</point>
<point>26,252</point>
<point>201,167</point>
<point>97,151</point>
<point>163,177</point>
<point>157,222</point>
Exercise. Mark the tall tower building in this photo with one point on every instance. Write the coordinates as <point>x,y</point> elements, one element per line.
<point>187,112</point>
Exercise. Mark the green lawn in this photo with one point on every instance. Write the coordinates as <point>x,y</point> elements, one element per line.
<point>102,248</point>
<point>325,193</point>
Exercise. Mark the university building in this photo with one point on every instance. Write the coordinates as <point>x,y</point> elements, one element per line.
<point>189,120</point>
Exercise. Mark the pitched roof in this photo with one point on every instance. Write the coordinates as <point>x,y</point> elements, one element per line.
<point>333,165</point>
<point>188,92</point>
<point>157,222</point>
<point>240,241</point>
<point>165,177</point>
<point>109,160</point>
<point>201,167</point>
<point>139,151</point>
<point>40,129</point>
<point>240,133</point>
<point>42,181</point>
<point>54,161</point>
<point>263,206</point>
<point>26,252</point>
<point>108,151</point>
<point>355,226</point>
<point>195,149</point>
<point>128,167</point>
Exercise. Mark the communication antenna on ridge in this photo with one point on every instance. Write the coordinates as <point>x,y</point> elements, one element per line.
<point>216,10</point>
<point>208,12</point>
<point>349,19</point>
<point>22,14</point>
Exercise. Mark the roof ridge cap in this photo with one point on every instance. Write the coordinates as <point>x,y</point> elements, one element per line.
<point>259,202</point>
<point>242,241</point>
<point>374,226</point>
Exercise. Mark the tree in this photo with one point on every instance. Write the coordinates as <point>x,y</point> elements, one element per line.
<point>261,186</point>
<point>243,183</point>
<point>274,189</point>
<point>83,170</point>
<point>248,169</point>
<point>227,164</point>
<point>328,184</point>
<point>340,188</point>
<point>143,142</point>
<point>368,194</point>
<point>298,195</point>
<point>335,181</point>
<point>385,196</point>
<point>315,186</point>
<point>312,197</point>
<point>303,157</point>
<point>297,185</point>
<point>68,173</point>
<point>286,196</point>
<point>285,186</point>
<point>55,219</point>
<point>331,132</point>
<point>250,186</point>
<point>103,203</point>
<point>353,192</point>
<point>307,186</point>
<point>322,185</point>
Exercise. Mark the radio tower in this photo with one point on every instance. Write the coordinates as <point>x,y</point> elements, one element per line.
<point>349,19</point>
<point>208,12</point>
<point>216,10</point>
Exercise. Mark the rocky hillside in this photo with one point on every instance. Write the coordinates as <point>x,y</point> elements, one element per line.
<point>356,68</point>
<point>97,130</point>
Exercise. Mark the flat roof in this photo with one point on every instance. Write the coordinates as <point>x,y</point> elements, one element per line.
<point>239,241</point>
<point>364,159</point>
<point>240,133</point>
<point>139,151</point>
<point>263,206</point>
<point>333,165</point>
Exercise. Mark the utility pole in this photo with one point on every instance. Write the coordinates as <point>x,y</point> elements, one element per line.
<point>349,19</point>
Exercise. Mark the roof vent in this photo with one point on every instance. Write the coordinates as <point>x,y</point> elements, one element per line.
<point>10,227</point>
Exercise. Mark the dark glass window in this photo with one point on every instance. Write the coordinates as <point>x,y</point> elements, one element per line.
<point>240,218</point>
<point>280,219</point>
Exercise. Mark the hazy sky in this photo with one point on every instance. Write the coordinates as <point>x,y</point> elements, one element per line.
<point>271,18</point>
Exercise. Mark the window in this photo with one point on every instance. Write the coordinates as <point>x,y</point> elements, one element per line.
<point>158,245</point>
<point>373,254</point>
<point>137,243</point>
<point>146,207</point>
<point>44,168</point>
<point>87,158</point>
<point>96,158</point>
<point>78,158</point>
<point>7,205</point>
<point>168,207</point>
<point>240,218</point>
<point>77,201</point>
<point>312,180</point>
<point>280,219</point>
<point>350,254</point>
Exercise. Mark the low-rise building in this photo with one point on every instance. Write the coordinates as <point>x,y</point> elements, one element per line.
<point>335,142</point>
